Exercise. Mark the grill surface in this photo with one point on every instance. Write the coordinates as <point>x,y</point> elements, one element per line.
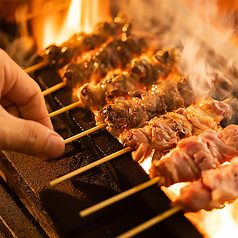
<point>56,208</point>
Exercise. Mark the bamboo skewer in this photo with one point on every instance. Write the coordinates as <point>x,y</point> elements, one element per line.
<point>118,197</point>
<point>37,66</point>
<point>90,166</point>
<point>54,88</point>
<point>155,220</point>
<point>84,133</point>
<point>66,108</point>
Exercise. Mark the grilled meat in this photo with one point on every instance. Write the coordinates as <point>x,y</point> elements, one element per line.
<point>196,154</point>
<point>81,42</point>
<point>140,73</point>
<point>115,54</point>
<point>125,114</point>
<point>164,132</point>
<point>216,188</point>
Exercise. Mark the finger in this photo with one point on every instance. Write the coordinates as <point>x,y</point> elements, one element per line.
<point>13,110</point>
<point>29,137</point>
<point>19,88</point>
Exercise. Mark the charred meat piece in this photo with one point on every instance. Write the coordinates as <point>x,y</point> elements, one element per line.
<point>125,114</point>
<point>196,154</point>
<point>104,92</point>
<point>162,133</point>
<point>81,42</point>
<point>115,54</point>
<point>158,67</point>
<point>140,73</point>
<point>216,188</point>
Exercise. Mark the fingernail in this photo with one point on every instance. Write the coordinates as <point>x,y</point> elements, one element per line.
<point>55,146</point>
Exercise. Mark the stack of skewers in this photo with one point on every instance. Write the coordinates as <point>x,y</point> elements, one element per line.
<point>140,98</point>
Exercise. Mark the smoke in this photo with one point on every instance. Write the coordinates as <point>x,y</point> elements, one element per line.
<point>193,64</point>
<point>20,47</point>
<point>201,30</point>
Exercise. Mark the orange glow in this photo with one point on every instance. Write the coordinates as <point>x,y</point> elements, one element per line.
<point>59,26</point>
<point>146,164</point>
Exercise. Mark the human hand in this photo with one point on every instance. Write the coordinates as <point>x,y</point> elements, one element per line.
<point>25,125</point>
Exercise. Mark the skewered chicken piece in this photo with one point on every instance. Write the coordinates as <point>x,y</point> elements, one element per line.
<point>196,154</point>
<point>140,73</point>
<point>216,188</point>
<point>125,114</point>
<point>81,42</point>
<point>162,133</point>
<point>114,55</point>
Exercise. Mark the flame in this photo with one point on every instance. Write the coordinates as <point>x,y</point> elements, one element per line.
<point>228,223</point>
<point>146,164</point>
<point>60,25</point>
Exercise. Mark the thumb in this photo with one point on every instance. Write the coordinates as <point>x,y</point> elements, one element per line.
<point>29,137</point>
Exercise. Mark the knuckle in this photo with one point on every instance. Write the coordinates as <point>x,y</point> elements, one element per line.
<point>31,138</point>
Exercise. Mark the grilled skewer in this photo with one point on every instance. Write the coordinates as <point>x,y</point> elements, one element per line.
<point>125,114</point>
<point>216,187</point>
<point>196,154</point>
<point>162,133</point>
<point>218,114</point>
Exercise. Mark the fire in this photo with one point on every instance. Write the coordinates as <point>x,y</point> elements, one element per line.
<point>228,223</point>
<point>58,26</point>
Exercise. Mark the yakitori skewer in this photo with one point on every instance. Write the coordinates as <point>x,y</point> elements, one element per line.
<point>153,221</point>
<point>216,111</point>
